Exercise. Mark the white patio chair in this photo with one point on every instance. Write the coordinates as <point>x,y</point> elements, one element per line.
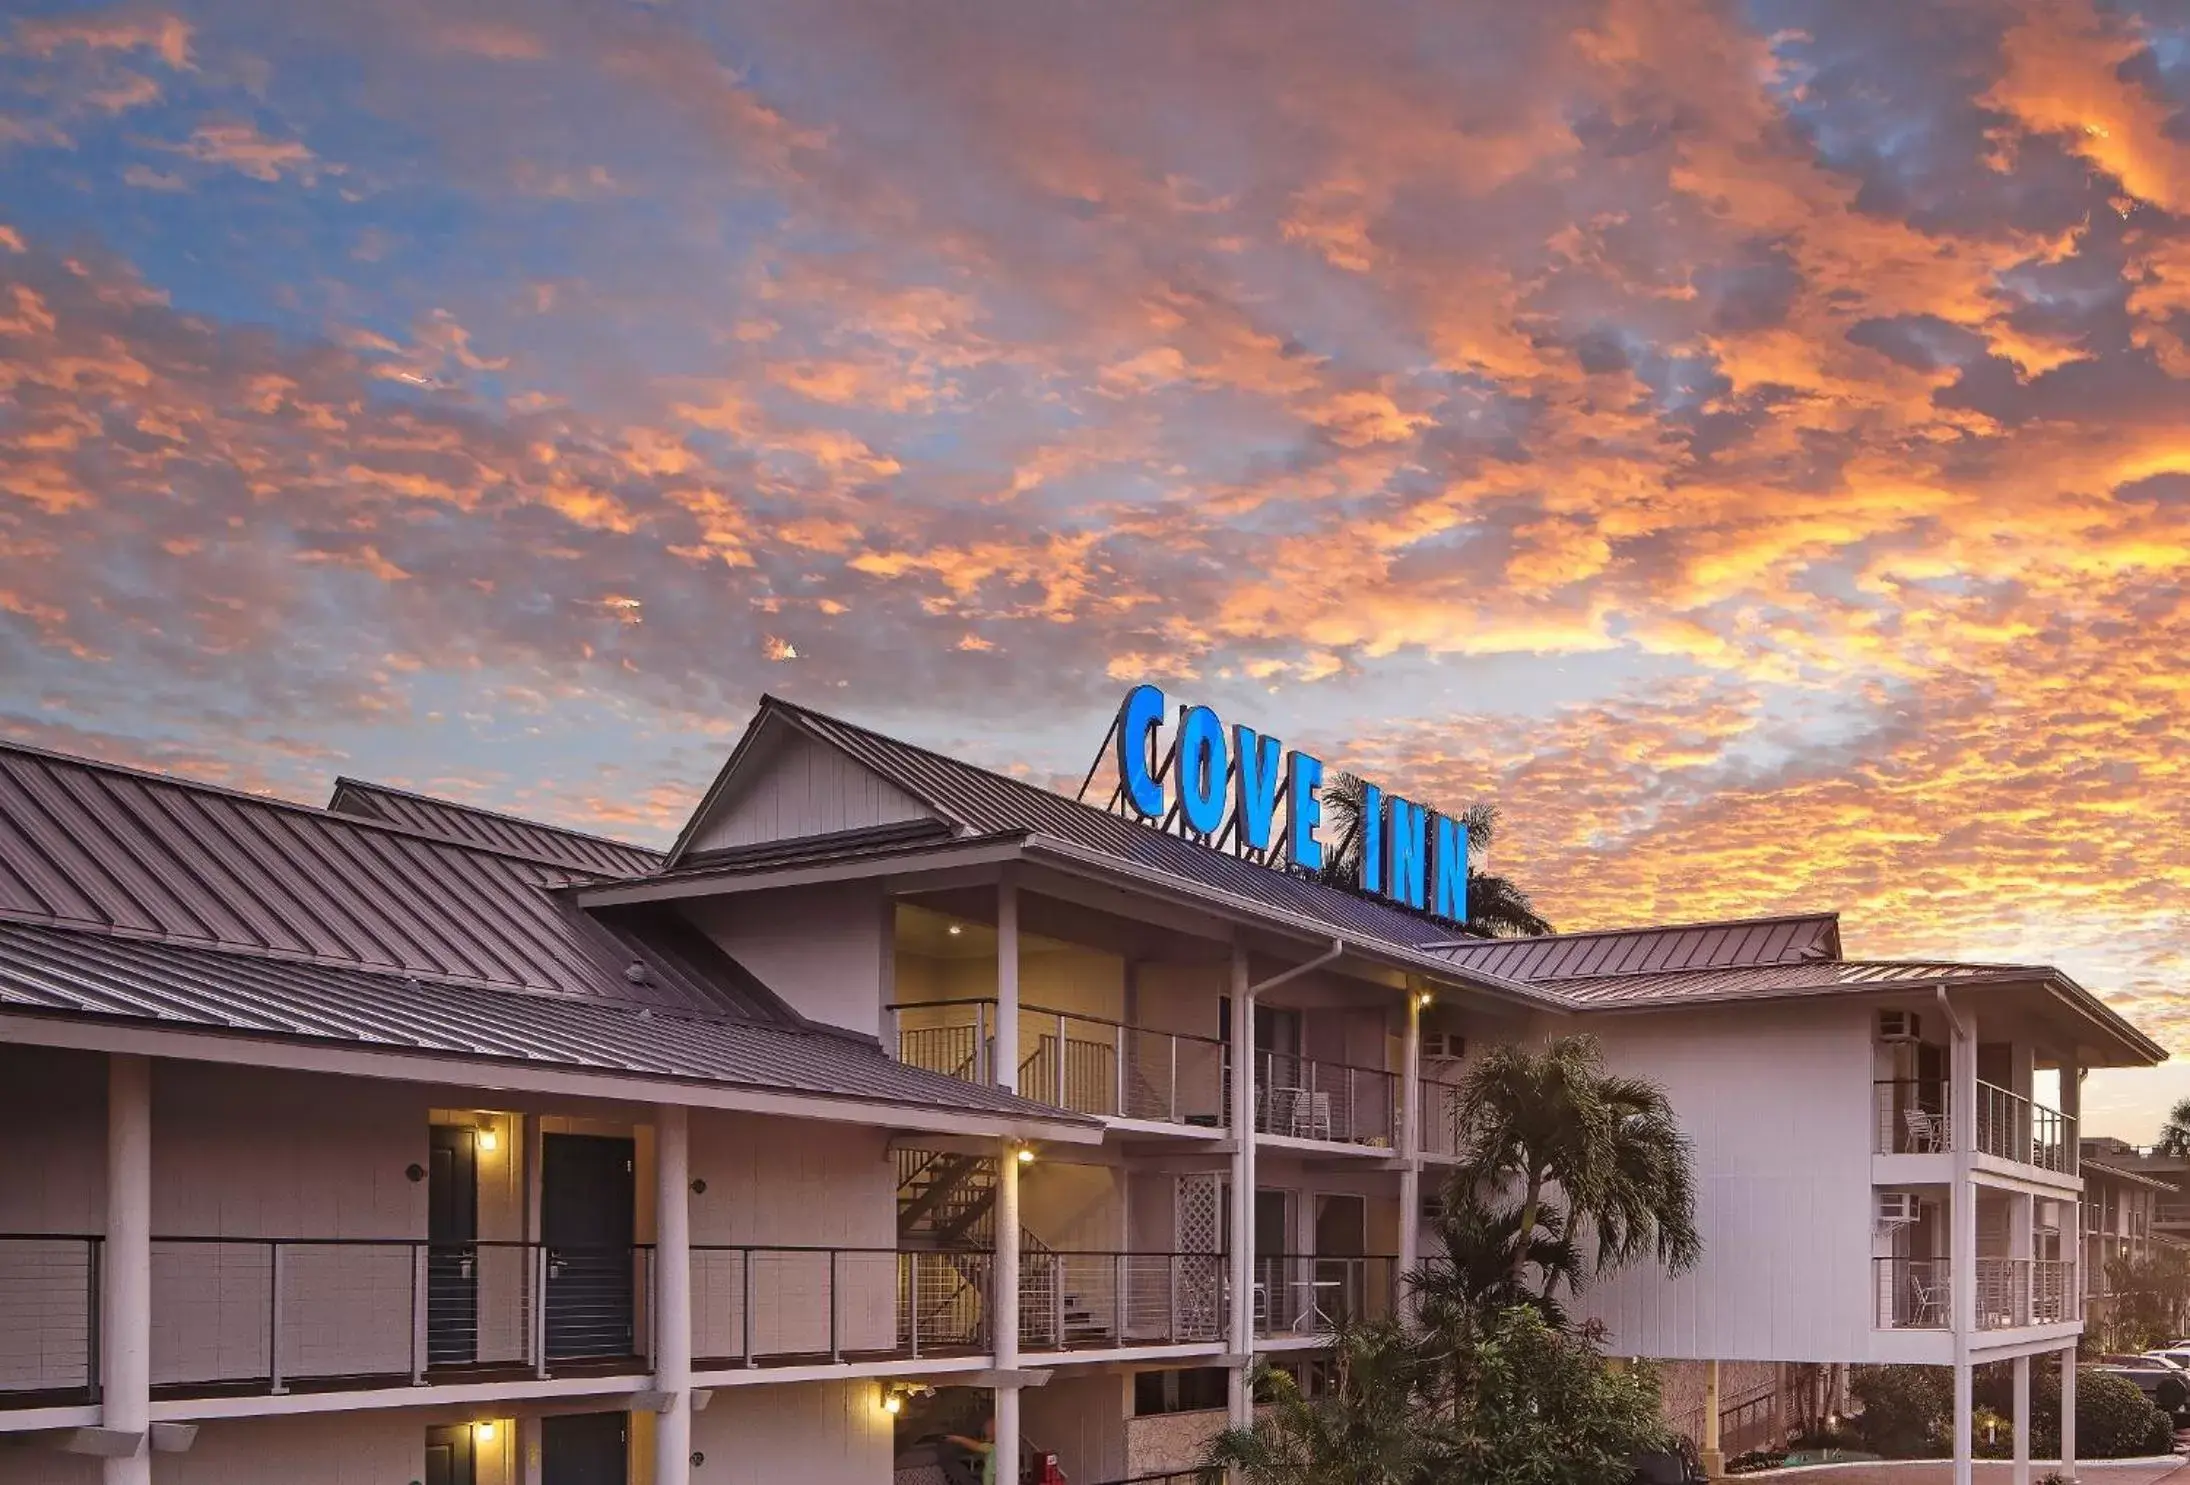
<point>1928,1300</point>
<point>1312,1116</point>
<point>1928,1132</point>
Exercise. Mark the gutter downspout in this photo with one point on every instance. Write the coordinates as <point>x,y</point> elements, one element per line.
<point>1240,1400</point>
<point>1962,1261</point>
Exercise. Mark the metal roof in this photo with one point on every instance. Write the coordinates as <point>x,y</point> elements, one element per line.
<point>2087,1165</point>
<point>979,801</point>
<point>112,850</point>
<point>52,970</point>
<point>552,845</point>
<point>1750,981</point>
<point>1617,951</point>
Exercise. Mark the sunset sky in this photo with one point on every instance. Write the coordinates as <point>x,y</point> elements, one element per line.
<point>1748,442</point>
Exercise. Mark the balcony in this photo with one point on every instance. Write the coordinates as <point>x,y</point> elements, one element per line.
<point>1337,1102</point>
<point>244,1316</point>
<point>1310,1295</point>
<point>1918,1293</point>
<point>1087,1064</point>
<point>1076,1301</point>
<point>814,1306</point>
<point>1915,1117</point>
<point>1091,1065</point>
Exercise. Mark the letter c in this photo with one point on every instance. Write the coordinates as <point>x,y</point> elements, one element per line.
<point>1138,720</point>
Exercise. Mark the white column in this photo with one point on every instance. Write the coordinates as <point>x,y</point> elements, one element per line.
<point>2068,1414</point>
<point>1712,1447</point>
<point>1004,1308</point>
<point>1239,1397</point>
<point>1962,1265</point>
<point>2022,1420</point>
<point>1007,984</point>
<point>673,1293</point>
<point>125,1298</point>
<point>1410,1154</point>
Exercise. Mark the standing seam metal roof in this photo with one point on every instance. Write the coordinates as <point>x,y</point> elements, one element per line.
<point>1735,982</point>
<point>109,850</point>
<point>552,845</point>
<point>51,970</point>
<point>1808,937</point>
<point>983,802</point>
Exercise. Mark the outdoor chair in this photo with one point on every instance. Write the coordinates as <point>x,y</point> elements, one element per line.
<point>1312,1116</point>
<point>1928,1300</point>
<point>1928,1132</point>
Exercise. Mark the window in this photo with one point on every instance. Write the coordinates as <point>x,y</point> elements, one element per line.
<point>1193,1390</point>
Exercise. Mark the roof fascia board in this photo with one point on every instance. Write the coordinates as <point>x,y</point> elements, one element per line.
<point>730,880</point>
<point>112,1034</point>
<point>2106,1020</point>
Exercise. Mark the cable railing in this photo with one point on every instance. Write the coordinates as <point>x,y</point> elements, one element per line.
<point>1912,1294</point>
<point>280,1314</point>
<point>1914,1116</point>
<point>784,1306</point>
<point>1308,1098</point>
<point>1087,1064</point>
<point>1313,1294</point>
<point>49,1319</point>
<point>1080,1300</point>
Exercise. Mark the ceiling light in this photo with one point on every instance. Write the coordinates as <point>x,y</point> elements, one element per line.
<point>957,929</point>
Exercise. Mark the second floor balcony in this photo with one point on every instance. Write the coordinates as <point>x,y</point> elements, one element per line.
<point>1917,1117</point>
<point>2011,1293</point>
<point>1094,1065</point>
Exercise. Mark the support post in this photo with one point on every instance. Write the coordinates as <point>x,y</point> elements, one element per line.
<point>1962,1267</point>
<point>2022,1420</point>
<point>1005,1072</point>
<point>1712,1450</point>
<point>673,1293</point>
<point>125,1316</point>
<point>2068,1415</point>
<point>1239,1396</point>
<point>1004,1308</point>
<point>1410,1155</point>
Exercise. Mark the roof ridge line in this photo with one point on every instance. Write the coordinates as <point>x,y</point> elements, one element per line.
<point>343,780</point>
<point>276,801</point>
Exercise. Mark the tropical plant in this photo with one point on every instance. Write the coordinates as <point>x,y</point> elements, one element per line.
<point>1478,1272</point>
<point>1592,1158</point>
<point>1497,908</point>
<point>2174,1137</point>
<point>1364,1429</point>
<point>2151,1299</point>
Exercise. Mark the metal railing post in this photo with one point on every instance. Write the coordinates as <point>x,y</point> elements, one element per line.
<point>745,1304</point>
<point>1174,1038</point>
<point>1118,1058</point>
<point>539,1309</point>
<point>1171,1298</point>
<point>1060,1078</point>
<point>93,1320</point>
<point>1117,1296</point>
<point>984,1055</point>
<point>913,1286</point>
<point>273,1318</point>
<point>836,1342</point>
<point>421,1307</point>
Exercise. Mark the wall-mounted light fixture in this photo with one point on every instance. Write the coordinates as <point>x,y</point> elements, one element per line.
<point>485,1139</point>
<point>1025,1153</point>
<point>483,1431</point>
<point>1423,998</point>
<point>956,929</point>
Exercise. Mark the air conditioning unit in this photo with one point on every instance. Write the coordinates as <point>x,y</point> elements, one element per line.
<point>1898,1208</point>
<point>1443,1046</point>
<point>1900,1026</point>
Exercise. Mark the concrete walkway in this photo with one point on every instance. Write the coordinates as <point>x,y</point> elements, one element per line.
<point>1987,1472</point>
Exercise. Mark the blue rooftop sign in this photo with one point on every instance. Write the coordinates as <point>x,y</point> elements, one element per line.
<point>1232,787</point>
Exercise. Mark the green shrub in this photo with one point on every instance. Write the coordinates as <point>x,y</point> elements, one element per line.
<point>1905,1409</point>
<point>2114,1419</point>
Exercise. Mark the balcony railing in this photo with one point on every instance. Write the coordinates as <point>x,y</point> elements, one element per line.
<point>49,1319</point>
<point>1309,1294</point>
<point>1918,1293</point>
<point>783,1306</point>
<point>1305,1098</point>
<point>1915,1117</point>
<point>1099,1300</point>
<point>1088,1064</point>
<point>280,1314</point>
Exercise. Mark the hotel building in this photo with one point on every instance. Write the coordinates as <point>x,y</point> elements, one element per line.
<point>402,1141</point>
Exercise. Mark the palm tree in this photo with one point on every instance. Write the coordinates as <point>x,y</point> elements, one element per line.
<point>1486,1264</point>
<point>2174,1137</point>
<point>1497,908</point>
<point>1537,1123</point>
<point>1364,1430</point>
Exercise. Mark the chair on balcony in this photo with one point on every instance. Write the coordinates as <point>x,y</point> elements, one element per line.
<point>1928,1300</point>
<point>1928,1132</point>
<point>1311,1116</point>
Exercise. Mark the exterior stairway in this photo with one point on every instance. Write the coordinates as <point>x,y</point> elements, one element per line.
<point>946,1204</point>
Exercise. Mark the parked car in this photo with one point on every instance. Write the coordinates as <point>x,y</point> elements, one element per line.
<point>938,1460</point>
<point>2165,1382</point>
<point>1678,1465</point>
<point>2179,1355</point>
